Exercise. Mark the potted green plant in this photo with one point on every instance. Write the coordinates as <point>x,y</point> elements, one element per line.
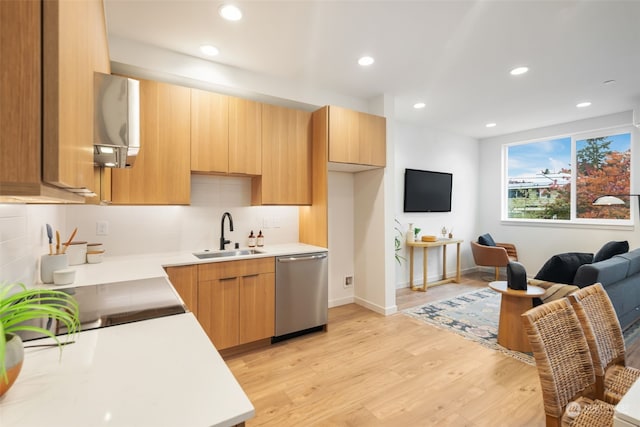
<point>18,307</point>
<point>398,243</point>
<point>416,232</point>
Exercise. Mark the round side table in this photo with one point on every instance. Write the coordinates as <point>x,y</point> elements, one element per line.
<point>511,333</point>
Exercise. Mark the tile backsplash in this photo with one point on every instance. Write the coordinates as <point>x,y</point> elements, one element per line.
<point>23,239</point>
<point>142,229</point>
<point>153,229</point>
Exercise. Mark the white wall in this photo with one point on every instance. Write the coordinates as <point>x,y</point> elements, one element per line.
<point>341,235</point>
<point>431,149</point>
<point>369,245</point>
<point>538,243</point>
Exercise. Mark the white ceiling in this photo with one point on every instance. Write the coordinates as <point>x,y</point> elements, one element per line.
<point>453,55</point>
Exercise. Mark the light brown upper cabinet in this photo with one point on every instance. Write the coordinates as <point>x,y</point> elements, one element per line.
<point>245,136</point>
<point>46,109</point>
<point>209,132</point>
<point>286,158</point>
<point>225,134</point>
<point>161,173</point>
<point>356,138</point>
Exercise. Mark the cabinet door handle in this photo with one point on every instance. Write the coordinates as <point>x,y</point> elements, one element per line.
<point>252,275</point>
<point>228,278</point>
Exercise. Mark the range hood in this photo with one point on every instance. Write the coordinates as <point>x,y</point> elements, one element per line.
<point>116,128</point>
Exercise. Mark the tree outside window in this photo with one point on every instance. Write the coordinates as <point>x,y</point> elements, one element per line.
<point>540,178</point>
<point>604,167</point>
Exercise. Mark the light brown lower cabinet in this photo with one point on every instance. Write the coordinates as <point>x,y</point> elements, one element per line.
<point>236,301</point>
<point>184,279</point>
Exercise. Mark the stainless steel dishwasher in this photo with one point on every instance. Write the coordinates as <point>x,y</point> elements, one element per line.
<point>302,294</point>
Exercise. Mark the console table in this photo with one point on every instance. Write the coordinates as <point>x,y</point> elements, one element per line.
<point>425,246</point>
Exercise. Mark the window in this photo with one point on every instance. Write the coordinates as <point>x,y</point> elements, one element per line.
<point>542,183</point>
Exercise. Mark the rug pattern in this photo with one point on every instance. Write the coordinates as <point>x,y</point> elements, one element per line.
<point>474,315</point>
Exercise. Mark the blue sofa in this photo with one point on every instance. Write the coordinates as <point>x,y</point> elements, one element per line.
<point>620,276</point>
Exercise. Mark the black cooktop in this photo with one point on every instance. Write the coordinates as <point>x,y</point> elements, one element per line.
<point>117,303</point>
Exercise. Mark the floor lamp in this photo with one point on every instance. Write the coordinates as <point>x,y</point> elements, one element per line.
<point>610,200</point>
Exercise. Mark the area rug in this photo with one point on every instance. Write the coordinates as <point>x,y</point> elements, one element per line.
<point>474,315</point>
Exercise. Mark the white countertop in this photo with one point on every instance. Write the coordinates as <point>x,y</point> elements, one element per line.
<point>627,411</point>
<point>134,267</point>
<point>160,372</point>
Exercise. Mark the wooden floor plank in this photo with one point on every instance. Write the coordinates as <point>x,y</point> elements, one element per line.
<point>372,370</point>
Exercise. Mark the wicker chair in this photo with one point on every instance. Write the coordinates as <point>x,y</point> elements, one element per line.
<point>564,366</point>
<point>494,256</point>
<point>606,342</point>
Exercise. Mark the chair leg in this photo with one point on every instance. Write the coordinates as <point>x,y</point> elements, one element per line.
<point>497,274</point>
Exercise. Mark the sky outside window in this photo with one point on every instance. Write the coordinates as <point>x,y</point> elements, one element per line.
<point>528,160</point>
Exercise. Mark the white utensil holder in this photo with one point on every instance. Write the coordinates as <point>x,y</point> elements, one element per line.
<point>51,263</point>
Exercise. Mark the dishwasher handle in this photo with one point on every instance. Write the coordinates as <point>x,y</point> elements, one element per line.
<point>301,258</point>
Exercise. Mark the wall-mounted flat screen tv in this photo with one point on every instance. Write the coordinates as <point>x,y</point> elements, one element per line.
<point>427,191</point>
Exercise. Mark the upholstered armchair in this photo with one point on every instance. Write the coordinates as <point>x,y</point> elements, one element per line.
<point>494,256</point>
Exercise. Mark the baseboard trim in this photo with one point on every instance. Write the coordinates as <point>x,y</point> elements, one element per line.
<point>385,311</point>
<point>341,301</point>
<point>418,280</point>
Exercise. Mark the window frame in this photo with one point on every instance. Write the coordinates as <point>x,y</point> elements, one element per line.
<point>573,221</point>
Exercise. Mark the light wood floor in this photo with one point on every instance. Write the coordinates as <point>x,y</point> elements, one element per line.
<point>372,370</point>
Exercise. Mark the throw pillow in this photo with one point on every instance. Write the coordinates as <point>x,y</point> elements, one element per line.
<point>553,291</point>
<point>516,276</point>
<point>610,249</point>
<point>486,240</point>
<point>561,268</point>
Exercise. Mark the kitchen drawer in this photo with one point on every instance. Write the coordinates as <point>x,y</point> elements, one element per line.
<point>227,269</point>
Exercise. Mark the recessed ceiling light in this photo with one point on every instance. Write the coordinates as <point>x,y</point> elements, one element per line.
<point>419,105</point>
<point>230,12</point>
<point>209,50</point>
<point>490,125</point>
<point>519,70</point>
<point>365,61</point>
<point>583,104</point>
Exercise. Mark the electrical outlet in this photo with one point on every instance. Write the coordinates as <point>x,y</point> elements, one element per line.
<point>348,281</point>
<point>102,228</point>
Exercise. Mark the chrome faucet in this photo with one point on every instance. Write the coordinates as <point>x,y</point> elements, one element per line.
<point>223,241</point>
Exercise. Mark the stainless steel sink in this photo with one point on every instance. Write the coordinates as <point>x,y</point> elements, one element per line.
<point>225,254</point>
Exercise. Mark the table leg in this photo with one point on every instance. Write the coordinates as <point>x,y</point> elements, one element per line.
<point>511,333</point>
<point>425,261</point>
<point>411,286</point>
<point>444,262</point>
<point>458,263</point>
